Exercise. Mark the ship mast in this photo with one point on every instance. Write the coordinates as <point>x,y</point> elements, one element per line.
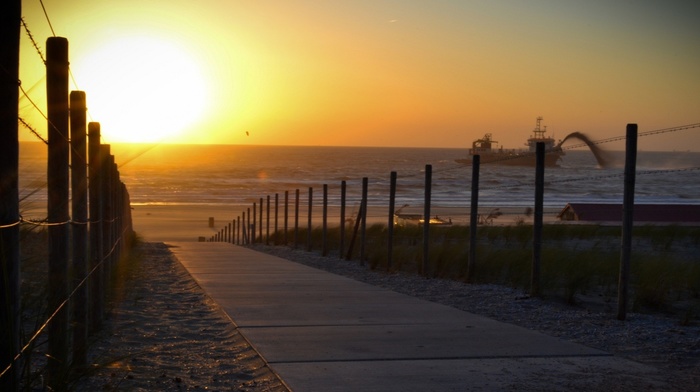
<point>538,132</point>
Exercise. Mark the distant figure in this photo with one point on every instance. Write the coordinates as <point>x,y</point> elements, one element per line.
<point>246,133</point>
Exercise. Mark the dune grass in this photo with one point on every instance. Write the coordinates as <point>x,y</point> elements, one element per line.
<point>578,261</point>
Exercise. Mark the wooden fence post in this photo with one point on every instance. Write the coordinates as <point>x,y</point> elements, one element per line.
<point>286,216</point>
<point>267,215</point>
<point>96,245</point>
<point>343,192</point>
<point>473,214</point>
<point>324,235</point>
<point>58,205</point>
<point>277,205</point>
<point>537,226</point>
<point>296,220</point>
<point>255,215</point>
<point>426,219</point>
<point>309,225</point>
<point>260,230</point>
<point>363,227</point>
<point>238,230</point>
<point>390,223</point>
<point>10,15</point>
<point>627,220</point>
<point>78,124</point>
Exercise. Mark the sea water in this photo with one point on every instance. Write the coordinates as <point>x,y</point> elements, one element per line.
<point>238,175</point>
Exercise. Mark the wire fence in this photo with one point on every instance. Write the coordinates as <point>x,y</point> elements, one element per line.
<point>83,237</point>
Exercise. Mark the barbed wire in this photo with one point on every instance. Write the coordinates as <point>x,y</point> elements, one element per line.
<point>31,38</point>
<point>33,131</point>
<point>63,304</point>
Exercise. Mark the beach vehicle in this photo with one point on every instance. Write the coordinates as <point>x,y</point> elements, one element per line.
<point>485,148</point>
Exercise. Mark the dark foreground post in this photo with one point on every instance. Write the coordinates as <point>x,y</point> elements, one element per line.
<point>267,216</point>
<point>363,227</point>
<point>58,205</point>
<point>10,14</point>
<point>260,231</point>
<point>426,218</point>
<point>95,209</point>
<point>537,225</point>
<point>78,126</point>
<point>473,214</point>
<point>252,231</point>
<point>343,191</point>
<point>390,225</point>
<point>277,208</point>
<point>296,219</point>
<point>286,217</point>
<point>324,239</point>
<point>627,220</point>
<point>309,223</point>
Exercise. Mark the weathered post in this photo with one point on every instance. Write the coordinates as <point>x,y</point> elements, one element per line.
<point>343,192</point>
<point>78,125</point>
<point>252,232</point>
<point>426,218</point>
<point>309,223</point>
<point>277,205</point>
<point>267,215</point>
<point>390,223</point>
<point>245,228</point>
<point>363,227</point>
<point>58,205</point>
<point>537,225</point>
<point>249,229</point>
<point>296,220</point>
<point>238,230</point>
<point>473,214</point>
<point>324,224</point>
<point>627,220</point>
<point>10,15</point>
<point>260,231</point>
<point>286,217</point>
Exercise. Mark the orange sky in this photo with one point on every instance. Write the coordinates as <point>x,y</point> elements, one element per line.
<point>374,72</point>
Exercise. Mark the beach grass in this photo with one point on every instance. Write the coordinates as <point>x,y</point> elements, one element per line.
<point>580,263</point>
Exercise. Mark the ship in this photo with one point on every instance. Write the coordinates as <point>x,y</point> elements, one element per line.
<point>489,153</point>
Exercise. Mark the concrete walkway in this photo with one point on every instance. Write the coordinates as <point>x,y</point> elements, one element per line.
<point>324,332</point>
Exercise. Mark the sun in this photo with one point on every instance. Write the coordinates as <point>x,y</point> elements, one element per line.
<point>142,89</point>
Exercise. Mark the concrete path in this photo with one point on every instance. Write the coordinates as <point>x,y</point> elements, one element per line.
<point>324,332</point>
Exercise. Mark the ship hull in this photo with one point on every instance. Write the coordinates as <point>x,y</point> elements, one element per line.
<point>551,159</point>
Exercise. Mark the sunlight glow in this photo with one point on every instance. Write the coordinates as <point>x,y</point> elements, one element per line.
<point>143,89</point>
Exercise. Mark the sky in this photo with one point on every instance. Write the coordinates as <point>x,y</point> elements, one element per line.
<point>400,73</point>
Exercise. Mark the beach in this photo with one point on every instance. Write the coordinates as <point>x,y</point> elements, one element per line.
<point>165,333</point>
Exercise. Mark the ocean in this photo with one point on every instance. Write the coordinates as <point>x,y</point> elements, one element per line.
<point>222,175</point>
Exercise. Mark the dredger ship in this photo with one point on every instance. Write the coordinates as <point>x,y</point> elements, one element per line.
<point>485,148</point>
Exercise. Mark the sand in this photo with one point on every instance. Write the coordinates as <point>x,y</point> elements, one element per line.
<point>165,333</point>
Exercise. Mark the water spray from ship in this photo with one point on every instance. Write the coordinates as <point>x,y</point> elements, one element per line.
<point>598,153</point>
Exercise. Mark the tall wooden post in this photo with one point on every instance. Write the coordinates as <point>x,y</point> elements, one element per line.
<point>277,205</point>
<point>627,220</point>
<point>296,219</point>
<point>58,205</point>
<point>78,130</point>
<point>106,184</point>
<point>341,245</point>
<point>267,230</point>
<point>363,227</point>
<point>286,216</point>
<point>537,225</point>
<point>426,218</point>
<point>324,224</point>
<point>255,215</point>
<point>473,214</point>
<point>390,223</point>
<point>309,223</point>
<point>95,209</point>
<point>10,15</point>
<point>260,230</point>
